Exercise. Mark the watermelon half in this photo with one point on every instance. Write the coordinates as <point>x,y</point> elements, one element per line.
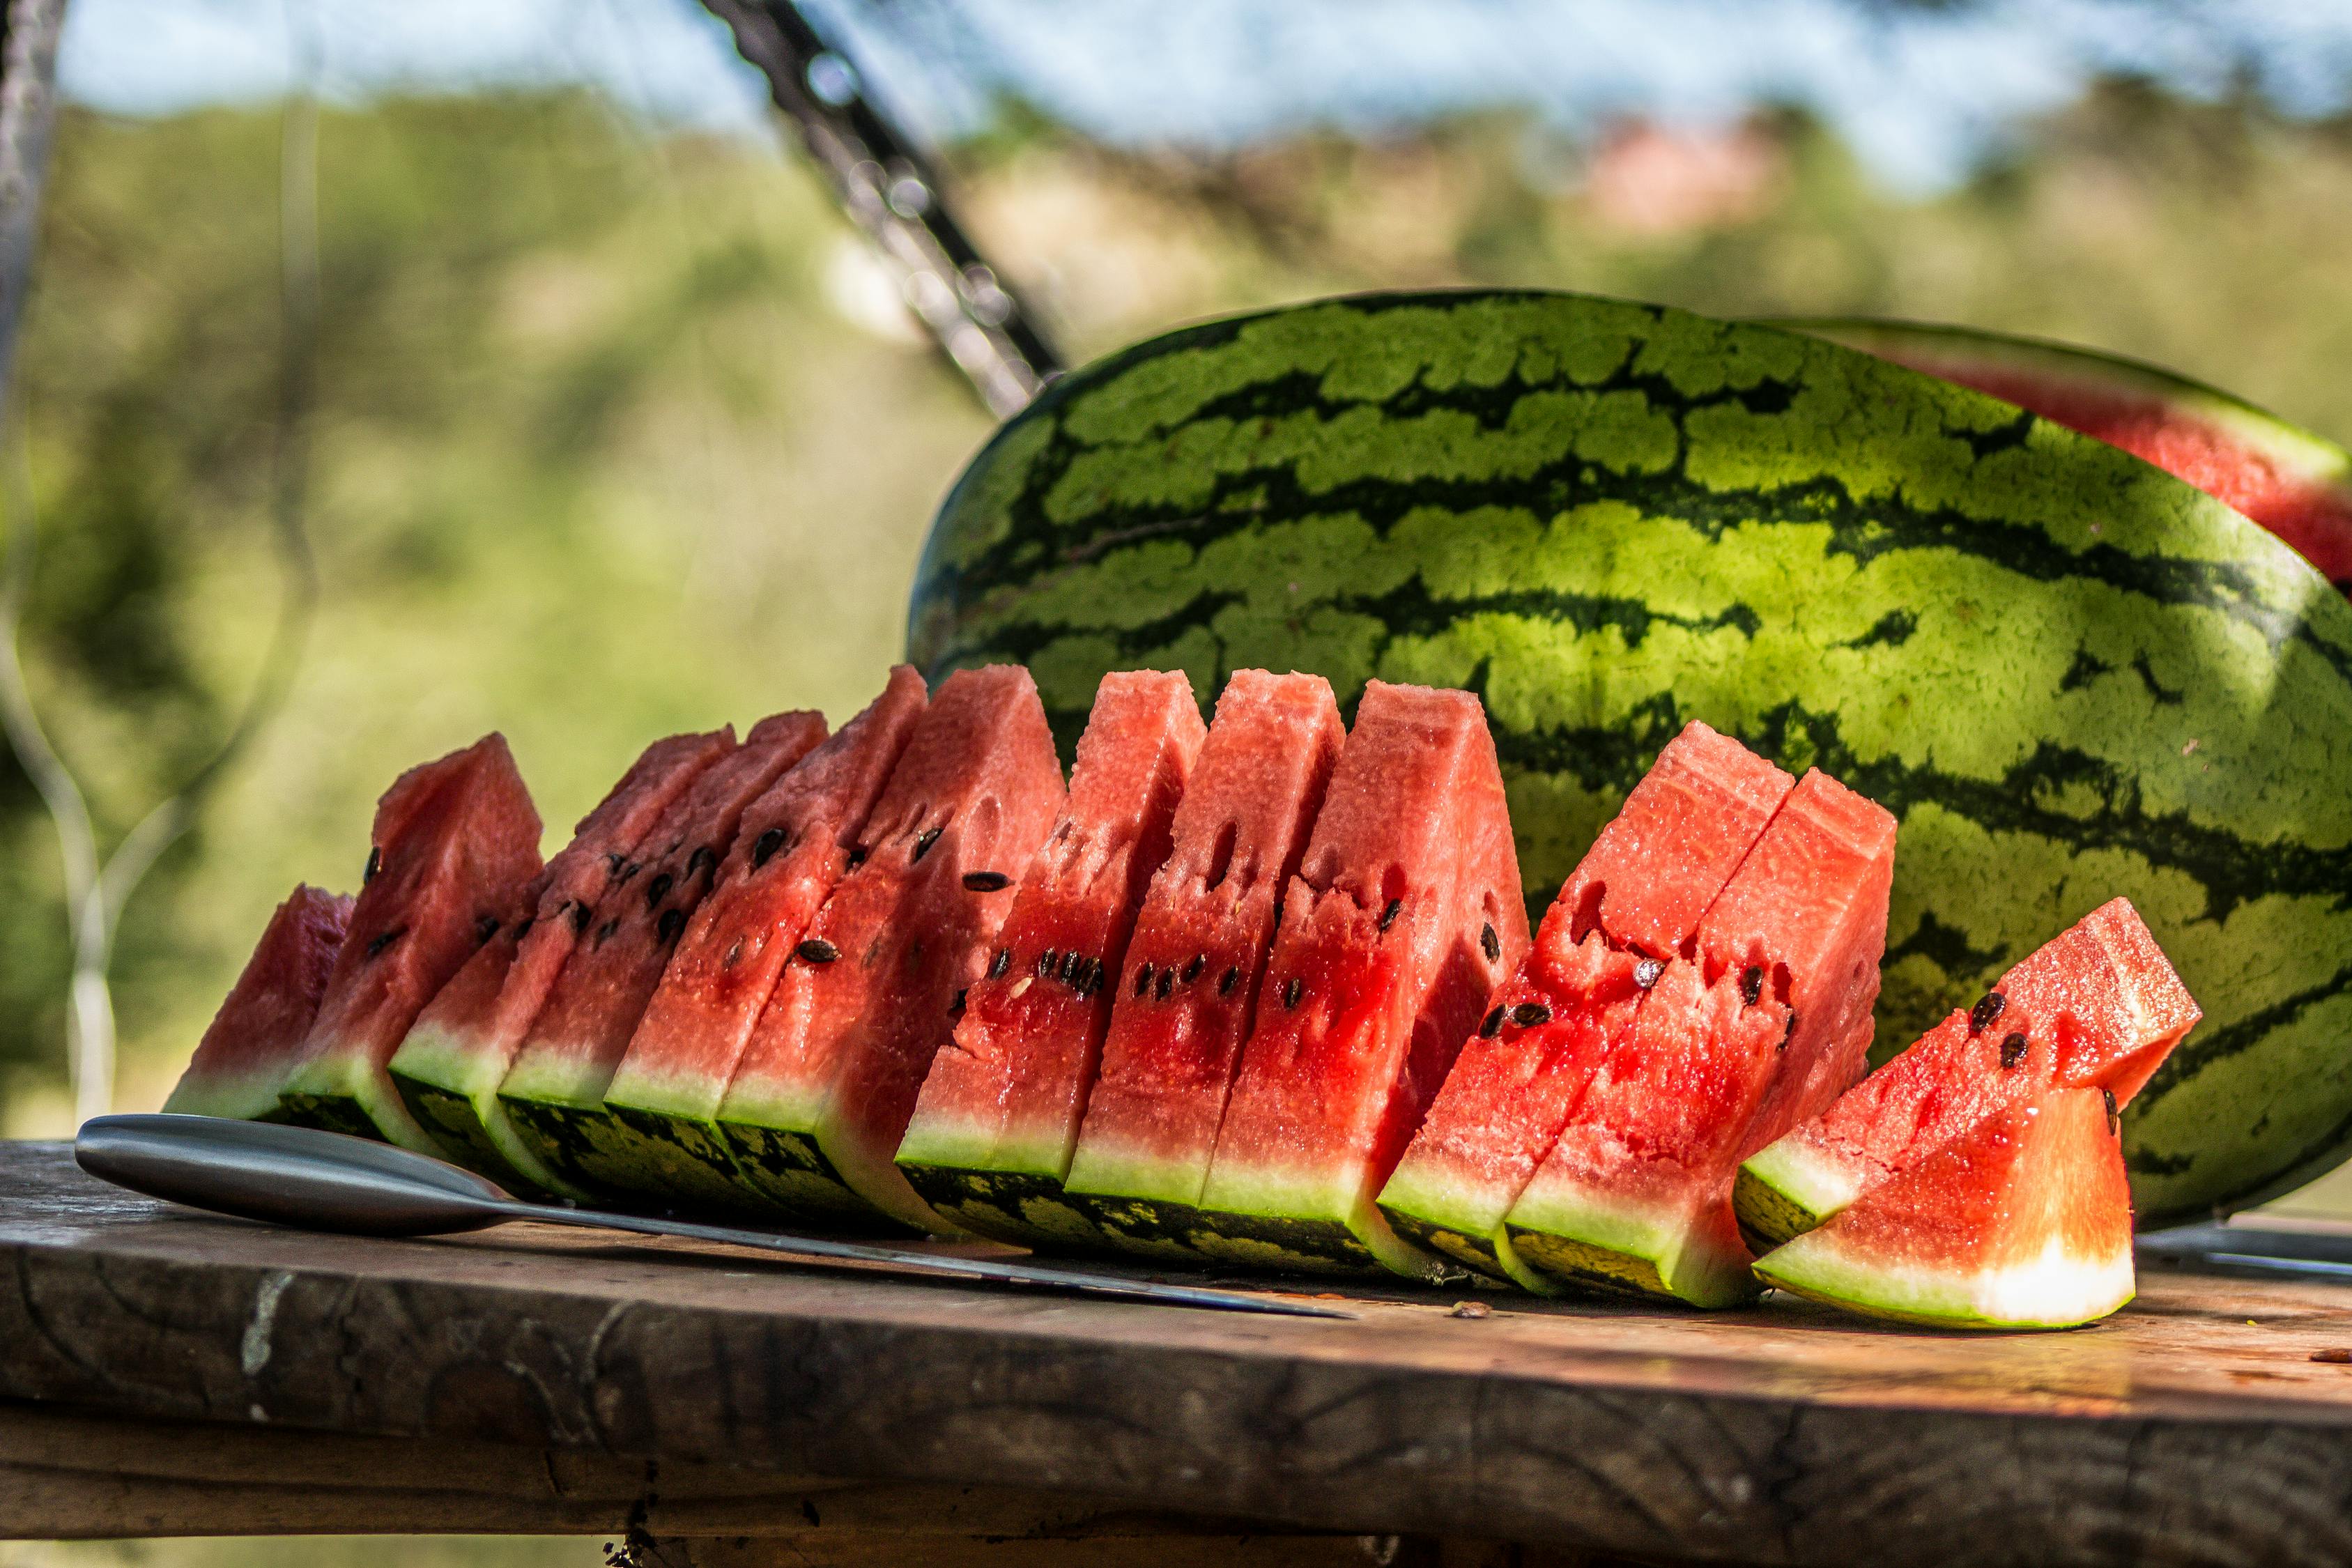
<point>2023,1221</point>
<point>243,1062</point>
<point>1403,917</point>
<point>1190,987</point>
<point>449,1067</point>
<point>552,1096</point>
<point>830,1075</point>
<point>793,844</point>
<point>2291,481</point>
<point>1766,1023</point>
<point>453,847</point>
<point>2097,1008</point>
<point>1635,901</point>
<point>993,1130</point>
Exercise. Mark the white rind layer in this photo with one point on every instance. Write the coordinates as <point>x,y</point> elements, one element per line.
<point>2055,1290</point>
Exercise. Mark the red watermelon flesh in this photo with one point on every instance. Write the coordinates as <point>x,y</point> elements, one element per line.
<point>2096,1007</point>
<point>793,847</point>
<point>568,1054</point>
<point>2290,481</point>
<point>1173,1042</point>
<point>455,843</point>
<point>244,1059</point>
<point>1405,914</point>
<point>1639,894</point>
<point>830,1075</point>
<point>998,1117</point>
<point>449,1067</point>
<point>1771,1015</point>
<point>2023,1220</point>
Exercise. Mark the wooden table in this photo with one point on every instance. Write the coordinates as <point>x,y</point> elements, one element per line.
<point>162,1372</point>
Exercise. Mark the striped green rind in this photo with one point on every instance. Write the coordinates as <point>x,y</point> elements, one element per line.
<point>1586,1240</point>
<point>2069,674</point>
<point>1785,1190</point>
<point>1259,1213</point>
<point>1437,1217</point>
<point>789,1167</point>
<point>1027,1209</point>
<point>341,1093</point>
<point>453,1093</point>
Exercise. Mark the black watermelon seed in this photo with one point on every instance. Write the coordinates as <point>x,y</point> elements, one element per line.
<point>2012,1050</point>
<point>487,928</point>
<point>985,882</point>
<point>1493,1025</point>
<point>2115,1117</point>
<point>578,918</point>
<point>1489,943</point>
<point>1646,972</point>
<point>1790,1033</point>
<point>1143,980</point>
<point>816,950</point>
<point>923,845</point>
<point>1045,961</point>
<point>1000,964</point>
<point>1389,915</point>
<point>764,849</point>
<point>1988,1007</point>
<point>375,864</point>
<point>671,922</point>
<point>702,859</point>
<point>1529,1015</point>
<point>1164,984</point>
<point>1751,983</point>
<point>1233,977</point>
<point>604,933</point>
<point>378,943</point>
<point>1292,990</point>
<point>1095,976</point>
<point>955,1008</point>
<point>659,889</point>
<point>613,862</point>
<point>1193,970</point>
<point>1073,965</point>
<point>857,856</point>
<point>628,870</point>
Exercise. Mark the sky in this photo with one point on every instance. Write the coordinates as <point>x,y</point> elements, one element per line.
<point>1923,93</point>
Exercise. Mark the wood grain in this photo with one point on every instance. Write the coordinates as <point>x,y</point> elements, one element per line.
<point>2193,1427</point>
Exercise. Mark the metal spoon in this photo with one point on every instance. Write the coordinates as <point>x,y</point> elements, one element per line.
<point>329,1181</point>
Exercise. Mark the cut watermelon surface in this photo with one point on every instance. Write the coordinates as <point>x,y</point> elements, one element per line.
<point>247,1055</point>
<point>1634,900</point>
<point>1767,1022</point>
<point>1190,985</point>
<point>994,1127</point>
<point>552,1096</point>
<point>1405,914</point>
<point>2023,1220</point>
<point>793,844</point>
<point>830,1075</point>
<point>449,1067</point>
<point>2291,481</point>
<point>2098,1007</point>
<point>454,847</point>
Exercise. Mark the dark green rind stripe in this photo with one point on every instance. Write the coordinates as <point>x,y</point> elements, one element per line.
<point>685,1159</point>
<point>450,1118</point>
<point>329,1113</point>
<point>568,1137</point>
<point>1284,1245</point>
<point>790,1171</point>
<point>1021,1208</point>
<point>1475,1252</point>
<point>1148,1228</point>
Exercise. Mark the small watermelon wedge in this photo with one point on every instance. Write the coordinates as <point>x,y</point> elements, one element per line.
<point>1764,1025</point>
<point>454,847</point>
<point>243,1062</point>
<point>998,1118</point>
<point>2294,483</point>
<point>1635,898</point>
<point>793,844</point>
<point>1405,914</point>
<point>2098,1007</point>
<point>1184,999</point>
<point>830,1075</point>
<point>449,1067</point>
<point>2023,1221</point>
<point>552,1096</point>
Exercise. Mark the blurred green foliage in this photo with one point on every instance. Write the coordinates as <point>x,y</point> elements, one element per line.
<point>616,433</point>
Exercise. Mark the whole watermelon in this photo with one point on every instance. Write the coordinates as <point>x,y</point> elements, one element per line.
<point>2070,674</point>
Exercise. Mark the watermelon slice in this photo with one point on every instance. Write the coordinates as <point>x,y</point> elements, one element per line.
<point>794,843</point>
<point>1405,914</point>
<point>448,1068</point>
<point>1636,897</point>
<point>2096,1007</point>
<point>998,1118</point>
<point>2023,1221</point>
<point>552,1098</point>
<point>1174,1042</point>
<point>244,1059</point>
<point>455,843</point>
<point>832,1068</point>
<point>1766,1024</point>
<point>2291,481</point>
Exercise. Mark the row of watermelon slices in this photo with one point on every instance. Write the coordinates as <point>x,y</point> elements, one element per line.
<point>1261,992</point>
